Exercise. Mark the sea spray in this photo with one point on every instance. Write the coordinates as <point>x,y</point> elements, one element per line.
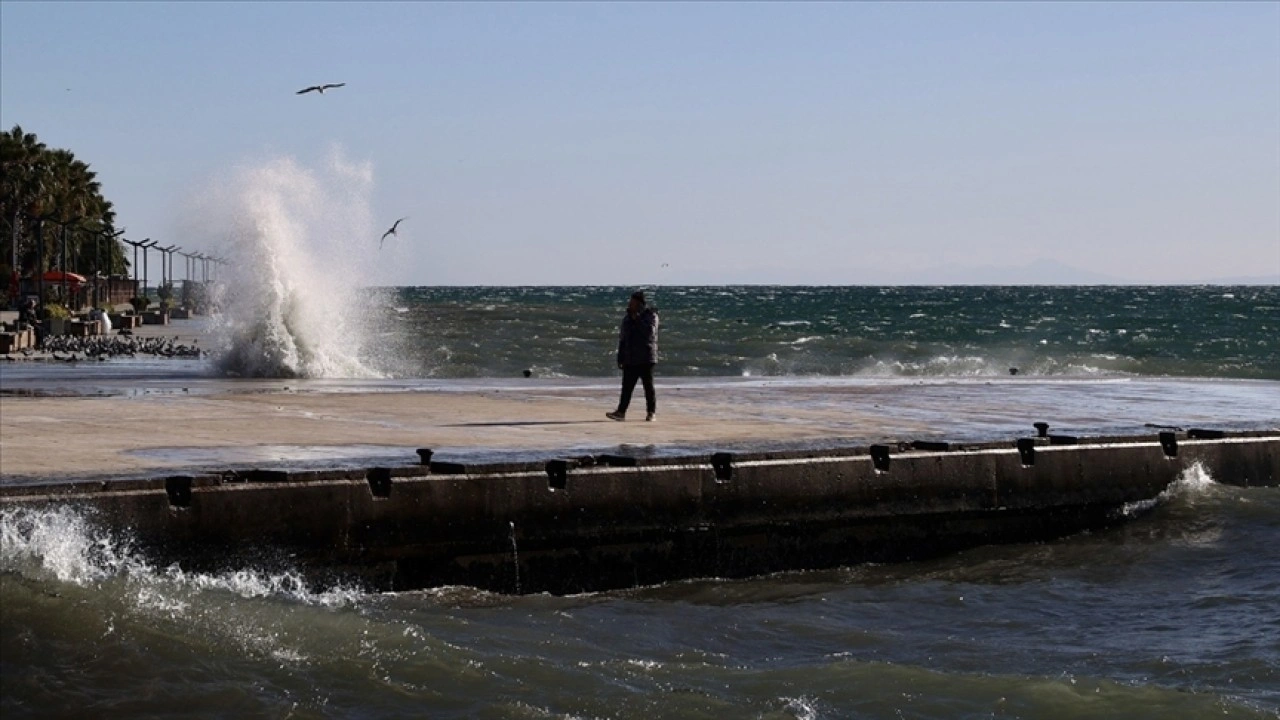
<point>60,543</point>
<point>1191,484</point>
<point>109,597</point>
<point>66,544</point>
<point>290,301</point>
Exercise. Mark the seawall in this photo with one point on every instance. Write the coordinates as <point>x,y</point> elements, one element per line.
<point>574,524</point>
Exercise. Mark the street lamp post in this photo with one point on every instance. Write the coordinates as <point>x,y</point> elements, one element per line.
<point>146,266</point>
<point>40,264</point>
<point>166,268</point>
<point>173,249</point>
<point>97,260</point>
<point>62,264</point>
<point>142,244</point>
<point>187,259</point>
<point>16,276</point>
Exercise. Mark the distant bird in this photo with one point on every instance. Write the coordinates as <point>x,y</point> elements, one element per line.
<point>319,88</point>
<point>392,231</point>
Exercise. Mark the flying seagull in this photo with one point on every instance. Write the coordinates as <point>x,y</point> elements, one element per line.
<point>319,88</point>
<point>392,231</point>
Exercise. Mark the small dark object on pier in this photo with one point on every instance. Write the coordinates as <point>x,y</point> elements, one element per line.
<point>880,457</point>
<point>1027,451</point>
<point>1203,434</point>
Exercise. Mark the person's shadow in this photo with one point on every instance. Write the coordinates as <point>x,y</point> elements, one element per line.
<point>526,422</point>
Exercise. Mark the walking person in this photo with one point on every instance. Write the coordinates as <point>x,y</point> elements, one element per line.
<point>637,354</point>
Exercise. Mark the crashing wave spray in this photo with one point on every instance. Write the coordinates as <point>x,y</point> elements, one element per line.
<point>289,303</point>
<point>1193,482</point>
<point>67,545</point>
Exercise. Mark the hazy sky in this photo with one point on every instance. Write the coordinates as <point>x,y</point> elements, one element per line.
<point>576,143</point>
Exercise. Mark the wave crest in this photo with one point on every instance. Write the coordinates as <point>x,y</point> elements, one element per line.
<point>296,241</point>
<point>64,544</point>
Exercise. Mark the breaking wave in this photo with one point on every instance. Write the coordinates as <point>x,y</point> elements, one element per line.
<point>1191,484</point>
<point>289,301</point>
<point>63,544</point>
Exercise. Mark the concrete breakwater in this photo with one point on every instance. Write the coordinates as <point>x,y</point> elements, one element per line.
<point>574,524</point>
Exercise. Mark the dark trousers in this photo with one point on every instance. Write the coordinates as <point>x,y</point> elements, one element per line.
<point>643,373</point>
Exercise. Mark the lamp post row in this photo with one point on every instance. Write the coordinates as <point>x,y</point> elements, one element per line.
<point>166,255</point>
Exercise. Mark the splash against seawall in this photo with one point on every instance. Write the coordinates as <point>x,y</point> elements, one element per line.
<point>289,302</point>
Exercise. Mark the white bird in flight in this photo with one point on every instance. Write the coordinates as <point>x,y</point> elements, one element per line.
<point>392,231</point>
<point>319,88</point>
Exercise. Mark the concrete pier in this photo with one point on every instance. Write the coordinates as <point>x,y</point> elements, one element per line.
<point>572,523</point>
<point>530,488</point>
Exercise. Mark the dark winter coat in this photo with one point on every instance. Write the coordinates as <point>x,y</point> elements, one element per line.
<point>638,338</point>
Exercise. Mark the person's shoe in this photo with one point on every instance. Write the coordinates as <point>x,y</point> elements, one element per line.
<point>649,417</point>
<point>615,415</point>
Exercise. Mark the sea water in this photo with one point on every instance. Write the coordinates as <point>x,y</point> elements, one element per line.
<point>1172,615</point>
<point>869,332</point>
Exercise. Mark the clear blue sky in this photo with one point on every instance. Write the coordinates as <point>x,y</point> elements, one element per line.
<point>577,143</point>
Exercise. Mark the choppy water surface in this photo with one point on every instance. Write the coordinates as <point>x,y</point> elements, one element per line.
<point>1171,616</point>
<point>840,331</point>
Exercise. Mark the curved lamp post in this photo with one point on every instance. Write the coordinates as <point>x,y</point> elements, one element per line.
<point>98,235</point>
<point>146,265</point>
<point>62,258</point>
<point>146,243</point>
<point>166,270</point>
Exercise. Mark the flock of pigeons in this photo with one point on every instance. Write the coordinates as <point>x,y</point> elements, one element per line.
<point>69,348</point>
<point>329,86</point>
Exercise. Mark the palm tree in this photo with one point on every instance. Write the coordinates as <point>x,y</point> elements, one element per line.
<point>22,182</point>
<point>40,185</point>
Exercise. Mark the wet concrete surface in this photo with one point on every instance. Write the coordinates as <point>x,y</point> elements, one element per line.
<point>149,417</point>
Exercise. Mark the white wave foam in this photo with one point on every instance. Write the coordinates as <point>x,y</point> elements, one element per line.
<point>297,243</point>
<point>64,544</point>
<point>61,544</point>
<point>1192,483</point>
<point>802,708</point>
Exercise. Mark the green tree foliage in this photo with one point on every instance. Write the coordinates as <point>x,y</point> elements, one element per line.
<point>47,187</point>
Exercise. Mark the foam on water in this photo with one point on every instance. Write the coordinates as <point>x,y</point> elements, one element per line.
<point>297,242</point>
<point>1192,483</point>
<point>63,544</point>
<point>1131,625</point>
<point>60,544</point>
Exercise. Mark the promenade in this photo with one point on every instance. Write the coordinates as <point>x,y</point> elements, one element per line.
<point>155,416</point>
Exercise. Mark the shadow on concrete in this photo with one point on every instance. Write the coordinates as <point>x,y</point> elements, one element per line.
<point>527,422</point>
